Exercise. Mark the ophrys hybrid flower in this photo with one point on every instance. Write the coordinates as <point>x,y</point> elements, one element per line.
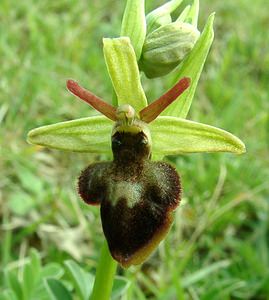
<point>137,195</point>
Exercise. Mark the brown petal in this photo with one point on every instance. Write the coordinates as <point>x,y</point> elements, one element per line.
<point>152,111</point>
<point>85,95</point>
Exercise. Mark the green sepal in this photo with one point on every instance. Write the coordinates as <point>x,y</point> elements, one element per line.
<point>123,70</point>
<point>193,14</point>
<point>134,24</point>
<point>81,135</point>
<point>171,136</point>
<point>192,67</point>
<point>161,15</point>
<point>184,14</point>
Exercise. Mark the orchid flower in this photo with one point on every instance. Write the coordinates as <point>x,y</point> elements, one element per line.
<point>142,194</point>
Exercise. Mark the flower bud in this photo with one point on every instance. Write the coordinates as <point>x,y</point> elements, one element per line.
<point>166,47</point>
<point>161,15</point>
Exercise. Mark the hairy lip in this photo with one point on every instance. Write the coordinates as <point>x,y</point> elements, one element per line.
<point>127,151</point>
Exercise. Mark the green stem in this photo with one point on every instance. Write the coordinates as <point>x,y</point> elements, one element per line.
<point>104,277</point>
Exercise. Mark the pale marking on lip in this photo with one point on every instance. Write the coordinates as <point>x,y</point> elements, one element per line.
<point>131,191</point>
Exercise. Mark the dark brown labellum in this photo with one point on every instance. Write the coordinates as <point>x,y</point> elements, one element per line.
<point>137,197</point>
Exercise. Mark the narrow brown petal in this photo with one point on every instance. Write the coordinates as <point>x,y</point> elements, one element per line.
<point>152,111</point>
<point>97,103</point>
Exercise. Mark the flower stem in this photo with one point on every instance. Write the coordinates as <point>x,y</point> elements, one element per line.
<point>104,277</point>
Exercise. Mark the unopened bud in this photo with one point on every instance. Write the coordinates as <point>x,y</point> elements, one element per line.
<point>166,47</point>
<point>161,15</point>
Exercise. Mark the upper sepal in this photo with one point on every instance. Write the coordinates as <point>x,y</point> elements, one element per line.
<point>123,71</point>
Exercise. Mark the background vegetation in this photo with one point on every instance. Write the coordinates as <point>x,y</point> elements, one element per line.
<point>218,247</point>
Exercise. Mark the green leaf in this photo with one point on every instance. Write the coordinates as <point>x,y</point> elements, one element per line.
<point>57,290</point>
<point>204,273</point>
<point>35,261</point>
<point>28,283</point>
<point>123,70</point>
<point>54,270</point>
<point>51,270</point>
<point>120,286</point>
<point>172,135</point>
<point>21,203</point>
<point>134,24</point>
<point>29,180</point>
<point>82,280</point>
<point>161,15</point>
<point>192,67</point>
<point>31,275</point>
<point>14,284</point>
<point>82,135</point>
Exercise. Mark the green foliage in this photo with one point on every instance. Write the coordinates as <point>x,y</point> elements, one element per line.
<point>52,281</point>
<point>224,213</point>
<point>57,290</point>
<point>27,281</point>
<point>120,287</point>
<point>83,281</point>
